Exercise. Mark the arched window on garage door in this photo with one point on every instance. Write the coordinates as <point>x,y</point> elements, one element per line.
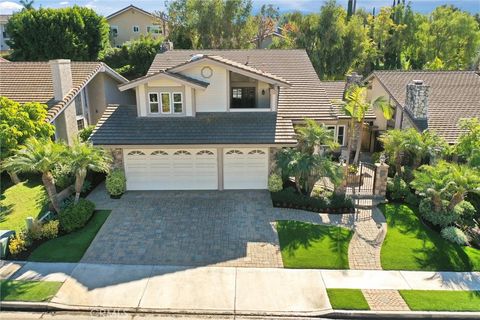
<point>159,153</point>
<point>181,153</point>
<point>234,152</point>
<point>136,153</point>
<point>205,152</point>
<point>256,152</point>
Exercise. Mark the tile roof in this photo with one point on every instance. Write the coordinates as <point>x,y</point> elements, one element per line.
<point>453,95</point>
<point>305,98</point>
<point>120,125</point>
<point>32,82</point>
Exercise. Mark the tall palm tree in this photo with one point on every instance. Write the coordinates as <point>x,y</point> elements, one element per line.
<point>27,4</point>
<point>356,107</point>
<point>83,157</point>
<point>312,136</point>
<point>396,143</point>
<point>39,156</point>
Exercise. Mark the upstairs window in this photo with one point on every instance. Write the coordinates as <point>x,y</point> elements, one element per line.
<point>177,102</point>
<point>153,102</point>
<point>166,102</point>
<point>136,29</point>
<point>154,29</point>
<point>243,97</point>
<point>114,31</point>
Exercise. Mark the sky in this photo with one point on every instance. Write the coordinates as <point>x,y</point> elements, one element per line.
<point>105,7</point>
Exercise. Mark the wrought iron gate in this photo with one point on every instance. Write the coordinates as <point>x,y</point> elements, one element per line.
<point>362,180</point>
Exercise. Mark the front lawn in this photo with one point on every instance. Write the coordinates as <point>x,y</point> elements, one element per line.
<point>423,300</point>
<point>410,245</point>
<point>70,247</point>
<point>26,199</point>
<point>36,291</point>
<point>347,299</point>
<point>307,245</point>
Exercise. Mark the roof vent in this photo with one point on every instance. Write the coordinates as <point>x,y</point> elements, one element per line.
<point>418,82</point>
<point>196,56</point>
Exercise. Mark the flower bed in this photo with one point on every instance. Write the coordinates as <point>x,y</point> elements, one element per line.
<point>332,204</point>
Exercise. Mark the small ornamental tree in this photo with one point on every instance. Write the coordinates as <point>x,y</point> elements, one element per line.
<point>19,123</point>
<point>468,146</point>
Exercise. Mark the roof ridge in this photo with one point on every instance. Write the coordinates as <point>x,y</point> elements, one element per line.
<point>424,71</point>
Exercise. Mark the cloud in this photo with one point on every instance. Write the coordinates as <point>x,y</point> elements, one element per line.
<point>8,7</point>
<point>63,3</point>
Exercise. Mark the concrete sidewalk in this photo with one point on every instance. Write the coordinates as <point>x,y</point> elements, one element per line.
<point>269,291</point>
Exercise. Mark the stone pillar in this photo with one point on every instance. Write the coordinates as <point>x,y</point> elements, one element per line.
<point>117,155</point>
<point>416,101</point>
<point>342,188</point>
<point>272,163</point>
<point>381,175</point>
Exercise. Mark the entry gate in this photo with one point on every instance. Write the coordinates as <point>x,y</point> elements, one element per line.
<point>362,182</point>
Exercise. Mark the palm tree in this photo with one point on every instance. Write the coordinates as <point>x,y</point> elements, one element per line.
<point>39,156</point>
<point>27,4</point>
<point>83,157</point>
<point>314,136</point>
<point>396,143</point>
<point>356,107</point>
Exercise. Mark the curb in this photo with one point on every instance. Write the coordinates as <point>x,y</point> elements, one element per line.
<point>351,314</point>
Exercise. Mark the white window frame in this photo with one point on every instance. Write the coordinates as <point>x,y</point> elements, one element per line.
<point>172,102</point>
<point>344,134</point>
<point>158,103</point>
<point>154,26</point>
<point>133,29</point>
<point>111,31</point>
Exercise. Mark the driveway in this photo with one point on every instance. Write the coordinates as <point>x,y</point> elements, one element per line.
<point>193,228</point>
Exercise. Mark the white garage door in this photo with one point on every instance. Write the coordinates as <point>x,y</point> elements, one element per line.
<point>171,169</point>
<point>245,168</point>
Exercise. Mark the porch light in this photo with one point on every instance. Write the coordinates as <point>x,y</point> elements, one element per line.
<point>263,92</point>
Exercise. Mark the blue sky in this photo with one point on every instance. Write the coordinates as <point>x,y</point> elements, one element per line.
<point>106,7</point>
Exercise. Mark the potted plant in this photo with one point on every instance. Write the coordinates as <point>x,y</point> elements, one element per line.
<point>116,183</point>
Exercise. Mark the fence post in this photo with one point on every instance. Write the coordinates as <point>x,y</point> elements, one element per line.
<point>381,175</point>
<point>29,223</point>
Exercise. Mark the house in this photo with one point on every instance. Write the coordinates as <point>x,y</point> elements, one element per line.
<point>3,33</point>
<point>433,100</point>
<point>130,22</point>
<point>268,39</point>
<point>76,93</point>
<point>213,119</point>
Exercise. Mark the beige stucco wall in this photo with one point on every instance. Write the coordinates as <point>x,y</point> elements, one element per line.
<point>376,91</point>
<point>125,22</point>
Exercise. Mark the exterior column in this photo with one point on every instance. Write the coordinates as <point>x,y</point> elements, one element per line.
<point>220,168</point>
<point>381,175</point>
<point>117,155</point>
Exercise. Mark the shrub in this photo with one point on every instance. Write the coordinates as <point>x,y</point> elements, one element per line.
<point>85,133</point>
<point>455,235</point>
<point>116,182</point>
<point>397,188</point>
<point>466,213</point>
<point>50,229</point>
<point>75,216</point>
<point>275,183</point>
<point>63,176</point>
<point>442,219</point>
<point>412,199</point>
<point>337,201</point>
<point>18,244</point>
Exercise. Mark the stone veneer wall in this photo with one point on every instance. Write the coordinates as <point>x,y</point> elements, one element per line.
<point>381,179</point>
<point>417,99</point>
<point>272,164</point>
<point>117,155</point>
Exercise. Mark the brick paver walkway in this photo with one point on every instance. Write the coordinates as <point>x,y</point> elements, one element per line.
<point>194,228</point>
<point>364,249</point>
<point>385,300</point>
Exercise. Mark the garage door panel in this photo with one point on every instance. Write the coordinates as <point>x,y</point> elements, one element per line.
<point>245,168</point>
<point>171,169</point>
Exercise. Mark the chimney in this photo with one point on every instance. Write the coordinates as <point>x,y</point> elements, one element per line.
<point>61,77</point>
<point>353,79</point>
<point>167,46</point>
<point>416,101</point>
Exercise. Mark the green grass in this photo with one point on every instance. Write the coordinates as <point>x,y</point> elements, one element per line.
<point>70,247</point>
<point>427,300</point>
<point>410,245</point>
<point>307,245</point>
<point>27,199</point>
<point>347,299</point>
<point>36,291</point>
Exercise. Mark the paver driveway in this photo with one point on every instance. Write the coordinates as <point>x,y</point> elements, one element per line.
<point>193,228</point>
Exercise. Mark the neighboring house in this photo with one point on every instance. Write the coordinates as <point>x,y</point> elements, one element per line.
<point>434,100</point>
<point>3,34</point>
<point>268,39</point>
<point>76,93</point>
<point>213,119</point>
<point>131,22</point>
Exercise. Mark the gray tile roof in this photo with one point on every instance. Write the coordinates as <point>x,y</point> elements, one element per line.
<point>120,125</point>
<point>453,95</point>
<point>306,98</point>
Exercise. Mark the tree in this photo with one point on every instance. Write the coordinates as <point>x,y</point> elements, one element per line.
<point>27,4</point>
<point>83,157</point>
<point>39,156</point>
<point>445,181</point>
<point>266,21</point>
<point>211,24</point>
<point>312,137</point>
<point>134,58</point>
<point>468,146</point>
<point>19,123</point>
<point>76,33</point>
<point>395,146</point>
<point>356,108</point>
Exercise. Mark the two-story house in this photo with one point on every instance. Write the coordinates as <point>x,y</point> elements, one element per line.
<point>76,93</point>
<point>131,22</point>
<point>433,100</point>
<point>3,33</point>
<point>213,119</point>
